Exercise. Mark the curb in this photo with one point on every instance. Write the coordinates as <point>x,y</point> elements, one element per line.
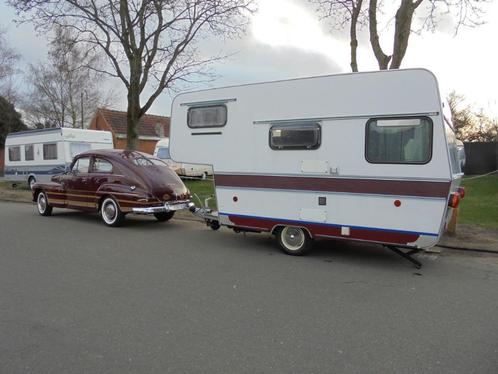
<point>480,250</point>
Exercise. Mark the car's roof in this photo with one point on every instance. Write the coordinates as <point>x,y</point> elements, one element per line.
<point>112,153</point>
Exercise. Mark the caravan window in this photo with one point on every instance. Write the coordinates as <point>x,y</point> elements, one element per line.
<point>77,148</point>
<point>15,153</point>
<point>50,151</point>
<point>399,140</point>
<point>29,152</point>
<point>163,153</point>
<point>207,116</point>
<point>298,136</point>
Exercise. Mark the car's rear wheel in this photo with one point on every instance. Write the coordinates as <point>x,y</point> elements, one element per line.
<point>294,241</point>
<point>164,216</point>
<point>110,212</point>
<point>42,204</point>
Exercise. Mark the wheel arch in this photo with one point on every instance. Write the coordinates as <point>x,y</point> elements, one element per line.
<point>280,226</point>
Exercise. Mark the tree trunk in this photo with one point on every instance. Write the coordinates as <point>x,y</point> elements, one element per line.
<point>381,57</point>
<point>402,31</point>
<point>133,119</point>
<point>352,33</point>
<point>134,112</point>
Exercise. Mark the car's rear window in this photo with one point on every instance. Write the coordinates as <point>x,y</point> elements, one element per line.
<point>140,159</point>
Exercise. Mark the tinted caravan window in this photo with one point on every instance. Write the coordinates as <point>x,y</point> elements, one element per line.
<point>207,116</point>
<point>399,140</point>
<point>15,153</point>
<point>299,136</point>
<point>50,151</point>
<point>163,153</point>
<point>29,152</point>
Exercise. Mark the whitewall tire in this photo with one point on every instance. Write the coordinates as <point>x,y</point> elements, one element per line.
<point>110,212</point>
<point>42,204</point>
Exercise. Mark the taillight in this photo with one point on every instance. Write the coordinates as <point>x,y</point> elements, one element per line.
<point>461,192</point>
<point>454,200</point>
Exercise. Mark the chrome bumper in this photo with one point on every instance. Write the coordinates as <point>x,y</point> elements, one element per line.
<point>166,207</point>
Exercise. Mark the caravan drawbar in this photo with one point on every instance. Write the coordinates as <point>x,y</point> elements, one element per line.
<point>361,156</point>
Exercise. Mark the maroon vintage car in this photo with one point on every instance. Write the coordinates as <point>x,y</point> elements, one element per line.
<point>114,183</point>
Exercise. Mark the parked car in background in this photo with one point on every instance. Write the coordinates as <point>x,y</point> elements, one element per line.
<point>114,183</point>
<point>36,155</point>
<point>182,169</point>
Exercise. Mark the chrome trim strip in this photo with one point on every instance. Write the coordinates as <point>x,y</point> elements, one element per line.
<point>209,102</point>
<point>341,118</point>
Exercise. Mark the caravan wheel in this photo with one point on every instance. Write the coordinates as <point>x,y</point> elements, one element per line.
<point>294,241</point>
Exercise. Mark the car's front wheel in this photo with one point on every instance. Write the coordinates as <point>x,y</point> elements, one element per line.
<point>110,212</point>
<point>164,216</point>
<point>42,204</point>
<point>294,240</point>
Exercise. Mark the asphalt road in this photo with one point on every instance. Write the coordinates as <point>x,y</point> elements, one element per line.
<point>176,297</point>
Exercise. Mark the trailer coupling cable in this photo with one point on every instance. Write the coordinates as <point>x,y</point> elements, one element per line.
<point>480,176</point>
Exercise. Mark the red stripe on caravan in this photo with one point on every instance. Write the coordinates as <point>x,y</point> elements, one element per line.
<point>367,186</point>
<point>380,236</point>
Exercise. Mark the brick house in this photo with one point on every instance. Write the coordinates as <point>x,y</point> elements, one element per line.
<point>150,130</point>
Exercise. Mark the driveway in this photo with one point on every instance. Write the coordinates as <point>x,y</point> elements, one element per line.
<point>176,297</point>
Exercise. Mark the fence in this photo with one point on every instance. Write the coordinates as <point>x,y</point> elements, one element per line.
<point>481,158</point>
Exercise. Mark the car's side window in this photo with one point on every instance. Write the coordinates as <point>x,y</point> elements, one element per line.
<point>81,166</point>
<point>101,166</point>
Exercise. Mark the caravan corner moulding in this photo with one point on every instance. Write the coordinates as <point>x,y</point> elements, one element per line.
<point>360,156</point>
<point>36,155</point>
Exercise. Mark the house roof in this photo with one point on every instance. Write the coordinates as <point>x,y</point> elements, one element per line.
<point>150,125</point>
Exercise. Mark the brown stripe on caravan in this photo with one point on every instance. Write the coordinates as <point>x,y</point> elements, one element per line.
<point>365,186</point>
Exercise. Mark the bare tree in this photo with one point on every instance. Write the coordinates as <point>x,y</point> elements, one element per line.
<point>344,12</point>
<point>64,92</point>
<point>9,62</point>
<point>151,45</point>
<point>471,125</point>
<point>463,13</point>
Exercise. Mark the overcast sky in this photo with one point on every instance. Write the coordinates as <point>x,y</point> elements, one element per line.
<point>286,39</point>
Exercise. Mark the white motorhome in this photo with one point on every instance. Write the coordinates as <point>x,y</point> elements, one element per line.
<point>186,170</point>
<point>36,155</point>
<point>361,156</point>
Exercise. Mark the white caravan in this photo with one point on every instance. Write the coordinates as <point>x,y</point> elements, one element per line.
<point>36,155</point>
<point>187,170</point>
<point>360,156</point>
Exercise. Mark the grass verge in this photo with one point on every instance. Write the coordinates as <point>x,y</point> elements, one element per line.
<point>480,205</point>
<point>200,190</point>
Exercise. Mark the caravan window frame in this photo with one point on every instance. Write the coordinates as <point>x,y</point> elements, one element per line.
<point>18,149</point>
<point>56,151</point>
<point>298,125</point>
<point>206,107</point>
<point>431,140</point>
<point>26,154</point>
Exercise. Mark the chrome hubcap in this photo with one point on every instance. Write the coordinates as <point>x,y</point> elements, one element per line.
<point>42,202</point>
<point>293,238</point>
<point>109,212</point>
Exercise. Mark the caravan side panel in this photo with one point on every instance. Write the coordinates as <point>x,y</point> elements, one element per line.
<point>331,188</point>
